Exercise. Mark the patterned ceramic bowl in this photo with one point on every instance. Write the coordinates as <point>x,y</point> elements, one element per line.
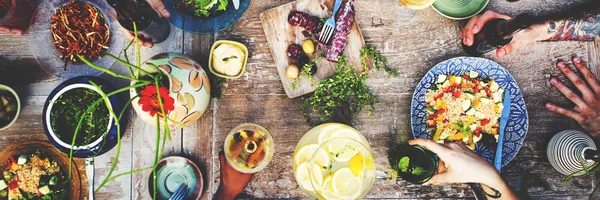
<point>188,85</point>
<point>566,150</point>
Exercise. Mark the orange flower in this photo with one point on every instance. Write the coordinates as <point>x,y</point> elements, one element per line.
<point>150,103</point>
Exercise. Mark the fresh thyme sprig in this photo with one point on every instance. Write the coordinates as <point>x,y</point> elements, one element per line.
<point>345,87</point>
<point>378,60</point>
<point>306,68</point>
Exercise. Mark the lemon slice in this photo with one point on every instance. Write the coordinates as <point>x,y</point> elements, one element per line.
<point>344,183</point>
<point>307,152</point>
<point>327,131</point>
<point>357,165</point>
<point>303,176</point>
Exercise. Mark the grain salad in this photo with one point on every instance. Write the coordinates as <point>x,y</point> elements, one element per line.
<point>464,108</point>
<point>32,176</point>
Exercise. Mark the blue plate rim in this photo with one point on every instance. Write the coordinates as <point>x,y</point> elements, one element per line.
<point>206,26</point>
<point>507,156</point>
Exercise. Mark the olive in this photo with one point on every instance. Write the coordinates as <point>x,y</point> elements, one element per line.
<point>2,114</point>
<point>11,107</point>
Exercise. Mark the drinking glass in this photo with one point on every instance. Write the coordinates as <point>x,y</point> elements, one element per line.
<point>249,148</point>
<point>416,4</point>
<point>415,164</point>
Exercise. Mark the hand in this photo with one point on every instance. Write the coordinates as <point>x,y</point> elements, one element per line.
<point>520,39</point>
<point>460,163</point>
<point>587,106</point>
<point>159,7</point>
<point>232,182</point>
<point>14,31</point>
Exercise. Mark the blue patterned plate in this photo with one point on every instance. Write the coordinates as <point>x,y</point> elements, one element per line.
<point>518,120</point>
<point>211,24</point>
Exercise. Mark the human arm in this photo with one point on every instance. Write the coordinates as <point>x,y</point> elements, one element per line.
<point>582,23</point>
<point>160,8</point>
<point>587,105</point>
<point>461,165</point>
<point>232,182</point>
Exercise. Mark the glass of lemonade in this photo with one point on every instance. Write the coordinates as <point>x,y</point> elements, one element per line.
<point>416,164</point>
<point>416,4</point>
<point>334,161</point>
<point>249,148</point>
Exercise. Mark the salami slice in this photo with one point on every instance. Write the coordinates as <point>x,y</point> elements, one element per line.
<point>344,21</point>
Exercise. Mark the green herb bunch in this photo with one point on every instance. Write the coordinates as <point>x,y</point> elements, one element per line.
<point>344,87</point>
<point>592,169</point>
<point>378,60</point>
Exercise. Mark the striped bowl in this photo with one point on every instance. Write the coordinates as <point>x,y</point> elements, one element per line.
<point>565,151</point>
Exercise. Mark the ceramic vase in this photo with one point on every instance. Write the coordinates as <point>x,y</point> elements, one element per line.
<point>188,86</point>
<point>568,149</point>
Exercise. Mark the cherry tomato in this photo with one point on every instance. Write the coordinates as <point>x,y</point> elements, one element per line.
<point>456,93</point>
<point>478,131</point>
<point>485,122</point>
<point>488,92</point>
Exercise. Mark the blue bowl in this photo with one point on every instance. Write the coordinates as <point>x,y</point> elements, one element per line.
<point>101,145</point>
<point>209,24</point>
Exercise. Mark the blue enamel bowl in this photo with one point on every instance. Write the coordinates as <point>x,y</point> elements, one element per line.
<point>206,25</point>
<point>102,144</point>
<point>518,120</point>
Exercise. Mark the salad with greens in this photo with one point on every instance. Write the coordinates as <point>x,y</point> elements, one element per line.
<point>202,8</point>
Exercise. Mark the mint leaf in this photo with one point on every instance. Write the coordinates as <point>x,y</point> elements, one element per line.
<point>403,164</point>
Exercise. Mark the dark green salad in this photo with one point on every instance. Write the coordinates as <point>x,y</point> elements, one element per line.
<point>69,108</point>
<point>202,8</point>
<point>32,177</point>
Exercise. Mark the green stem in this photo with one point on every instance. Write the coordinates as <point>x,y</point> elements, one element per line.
<point>129,66</point>
<point>155,157</point>
<point>128,173</point>
<point>118,152</point>
<point>92,65</point>
<point>162,108</point>
<point>127,57</point>
<point>137,46</point>
<point>79,124</point>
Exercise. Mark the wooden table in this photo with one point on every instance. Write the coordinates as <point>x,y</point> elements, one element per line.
<point>412,43</point>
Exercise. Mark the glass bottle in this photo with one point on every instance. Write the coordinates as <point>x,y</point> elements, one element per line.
<point>148,22</point>
<point>497,33</point>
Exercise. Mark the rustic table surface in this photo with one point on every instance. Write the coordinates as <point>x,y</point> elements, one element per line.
<point>413,42</point>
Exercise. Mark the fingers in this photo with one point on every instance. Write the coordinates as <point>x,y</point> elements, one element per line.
<point>467,32</point>
<point>441,167</point>
<point>13,31</point>
<point>160,8</point>
<point>563,111</point>
<point>569,93</point>
<point>142,41</point>
<point>431,145</point>
<point>487,16</point>
<point>577,81</point>
<point>476,23</point>
<point>440,179</point>
<point>587,74</point>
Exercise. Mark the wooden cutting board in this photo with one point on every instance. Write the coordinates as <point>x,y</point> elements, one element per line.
<point>280,34</point>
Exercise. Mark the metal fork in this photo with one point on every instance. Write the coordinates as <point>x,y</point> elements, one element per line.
<point>329,26</point>
<point>180,193</point>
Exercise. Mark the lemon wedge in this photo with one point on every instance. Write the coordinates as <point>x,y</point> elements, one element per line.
<point>357,165</point>
<point>303,176</point>
<point>327,131</point>
<point>345,183</point>
<point>308,151</point>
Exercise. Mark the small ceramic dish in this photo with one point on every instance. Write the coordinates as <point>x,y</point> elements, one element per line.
<point>459,9</point>
<point>4,88</point>
<point>172,172</point>
<point>237,44</point>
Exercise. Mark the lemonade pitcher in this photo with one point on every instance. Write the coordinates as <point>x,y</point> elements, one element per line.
<point>334,161</point>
